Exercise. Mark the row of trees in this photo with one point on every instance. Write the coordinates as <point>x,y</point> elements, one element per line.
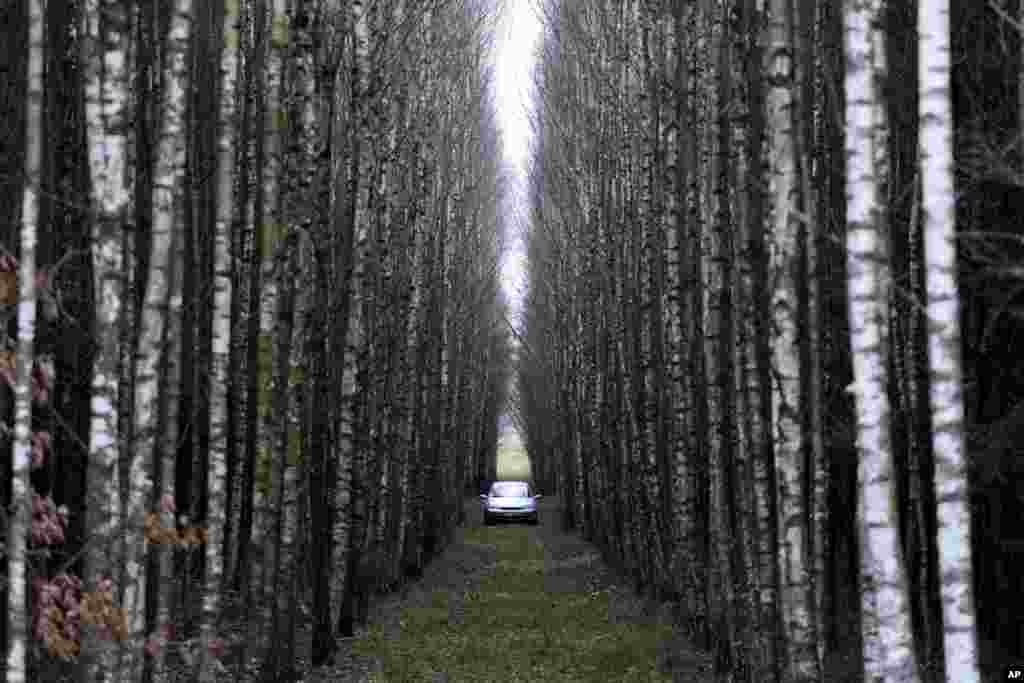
<point>260,352</point>
<point>739,355</point>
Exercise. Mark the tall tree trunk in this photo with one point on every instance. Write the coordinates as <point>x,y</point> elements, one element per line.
<point>960,642</point>
<point>249,531</point>
<point>21,490</point>
<point>279,553</point>
<point>698,470</point>
<point>787,411</point>
<point>167,190</point>
<point>219,380</point>
<point>349,496</point>
<point>170,387</point>
<point>885,609</point>
<point>347,263</point>
<point>276,257</point>
<point>318,444</point>
<point>753,372</point>
<point>106,95</point>
<point>810,151</point>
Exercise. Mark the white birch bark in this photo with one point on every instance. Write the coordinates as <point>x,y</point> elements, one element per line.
<point>794,575</point>
<point>21,488</point>
<point>347,445</point>
<point>221,341</point>
<point>341,527</point>
<point>167,188</point>
<point>105,62</point>
<point>888,648</point>
<point>936,150</point>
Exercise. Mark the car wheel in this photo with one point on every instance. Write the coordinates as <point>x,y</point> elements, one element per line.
<point>487,520</point>
<point>535,520</point>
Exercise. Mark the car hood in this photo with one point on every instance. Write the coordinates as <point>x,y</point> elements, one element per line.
<point>517,501</point>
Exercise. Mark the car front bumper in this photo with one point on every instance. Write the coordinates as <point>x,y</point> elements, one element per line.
<point>509,514</point>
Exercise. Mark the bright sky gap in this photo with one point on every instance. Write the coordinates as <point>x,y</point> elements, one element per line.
<point>514,70</point>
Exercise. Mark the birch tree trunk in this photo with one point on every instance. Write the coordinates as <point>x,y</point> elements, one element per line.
<point>304,379</point>
<point>346,261</point>
<point>106,100</point>
<point>754,373</point>
<point>810,152</point>
<point>275,260</point>
<point>345,533</point>
<point>21,488</point>
<point>698,470</point>
<point>684,174</point>
<point>936,149</point>
<point>167,189</point>
<point>888,648</point>
<point>249,521</point>
<point>319,386</point>
<point>716,276</point>
<point>170,399</point>
<point>277,571</point>
<point>786,409</point>
<point>413,351</point>
<point>219,380</point>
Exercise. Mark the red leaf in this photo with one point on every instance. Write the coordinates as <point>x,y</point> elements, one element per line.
<point>40,447</point>
<point>40,385</point>
<point>217,647</point>
<point>153,645</point>
<point>42,279</point>
<point>167,504</point>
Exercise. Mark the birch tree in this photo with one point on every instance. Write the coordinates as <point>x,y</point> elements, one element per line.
<point>251,203</point>
<point>167,190</point>
<point>344,534</point>
<point>21,493</point>
<point>780,98</point>
<point>275,323</point>
<point>936,150</point>
<point>106,100</point>
<point>165,463</point>
<point>888,650</point>
<point>219,380</point>
<point>320,437</point>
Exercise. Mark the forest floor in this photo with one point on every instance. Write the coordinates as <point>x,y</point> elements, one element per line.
<point>517,603</point>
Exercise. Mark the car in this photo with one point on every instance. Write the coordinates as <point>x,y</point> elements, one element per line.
<point>510,501</point>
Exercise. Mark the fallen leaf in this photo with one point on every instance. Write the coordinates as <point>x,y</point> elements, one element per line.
<point>8,287</point>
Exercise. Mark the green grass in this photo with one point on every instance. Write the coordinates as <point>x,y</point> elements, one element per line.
<point>513,630</point>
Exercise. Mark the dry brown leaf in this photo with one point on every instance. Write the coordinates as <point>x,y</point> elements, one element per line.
<point>8,287</point>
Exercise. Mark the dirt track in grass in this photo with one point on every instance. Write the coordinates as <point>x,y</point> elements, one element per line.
<point>517,603</point>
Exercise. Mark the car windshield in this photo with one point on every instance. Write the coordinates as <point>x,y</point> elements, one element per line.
<point>510,490</point>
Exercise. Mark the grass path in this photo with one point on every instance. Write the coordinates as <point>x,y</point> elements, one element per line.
<point>515,624</point>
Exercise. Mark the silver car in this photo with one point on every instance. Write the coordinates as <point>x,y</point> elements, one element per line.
<point>510,500</point>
